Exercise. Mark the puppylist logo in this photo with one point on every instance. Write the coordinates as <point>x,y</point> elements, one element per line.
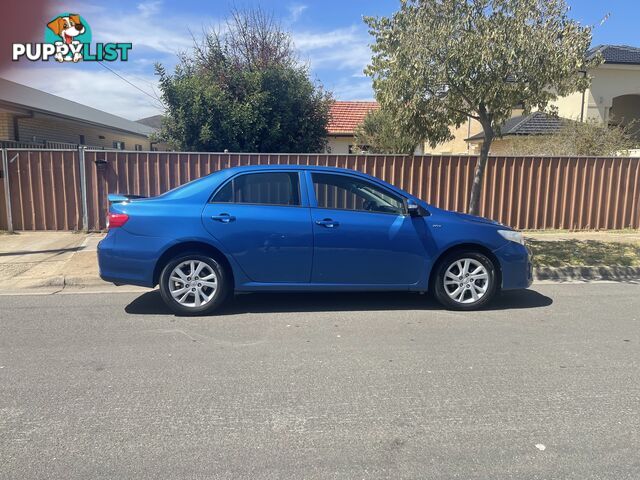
<point>67,38</point>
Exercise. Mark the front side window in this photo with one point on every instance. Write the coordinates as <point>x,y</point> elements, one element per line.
<point>348,193</point>
<point>272,188</point>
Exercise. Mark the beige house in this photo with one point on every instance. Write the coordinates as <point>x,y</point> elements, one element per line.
<point>33,118</point>
<point>613,98</point>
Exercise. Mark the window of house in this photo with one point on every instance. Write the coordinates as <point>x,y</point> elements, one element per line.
<point>272,188</point>
<point>359,148</point>
<point>138,147</point>
<point>82,141</point>
<point>343,192</point>
<point>118,145</point>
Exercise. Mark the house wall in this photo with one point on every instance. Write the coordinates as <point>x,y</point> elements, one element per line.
<point>339,145</point>
<point>42,128</point>
<point>499,147</point>
<point>6,126</point>
<point>458,146</point>
<point>608,82</point>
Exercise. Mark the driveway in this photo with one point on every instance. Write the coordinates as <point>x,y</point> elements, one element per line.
<point>546,384</point>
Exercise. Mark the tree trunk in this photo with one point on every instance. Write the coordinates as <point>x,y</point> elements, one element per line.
<point>476,189</point>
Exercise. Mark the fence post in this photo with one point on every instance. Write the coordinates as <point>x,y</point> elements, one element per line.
<point>7,192</point>
<point>83,188</point>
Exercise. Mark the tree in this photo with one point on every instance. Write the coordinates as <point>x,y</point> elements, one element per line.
<point>438,62</point>
<point>243,89</point>
<point>380,134</point>
<point>591,138</point>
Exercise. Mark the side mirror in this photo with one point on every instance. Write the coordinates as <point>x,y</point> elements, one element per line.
<point>415,210</point>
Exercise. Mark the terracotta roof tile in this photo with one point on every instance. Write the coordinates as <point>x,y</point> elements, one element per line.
<point>345,116</point>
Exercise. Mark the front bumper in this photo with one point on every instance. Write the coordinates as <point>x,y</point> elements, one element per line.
<point>515,265</point>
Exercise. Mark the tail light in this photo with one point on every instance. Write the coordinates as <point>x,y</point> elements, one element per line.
<point>115,220</point>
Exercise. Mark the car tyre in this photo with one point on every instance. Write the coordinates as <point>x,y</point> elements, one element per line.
<point>194,284</point>
<point>465,280</point>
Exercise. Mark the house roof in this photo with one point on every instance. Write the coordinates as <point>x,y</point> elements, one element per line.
<point>154,121</point>
<point>617,54</point>
<point>345,116</point>
<point>536,123</point>
<point>21,96</point>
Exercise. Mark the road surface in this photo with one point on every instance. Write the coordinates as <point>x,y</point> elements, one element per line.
<point>546,384</point>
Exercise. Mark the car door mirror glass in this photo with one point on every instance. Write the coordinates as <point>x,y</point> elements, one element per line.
<point>416,210</point>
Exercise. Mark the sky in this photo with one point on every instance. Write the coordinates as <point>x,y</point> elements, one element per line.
<point>329,36</point>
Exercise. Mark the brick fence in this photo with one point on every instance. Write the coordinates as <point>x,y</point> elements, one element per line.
<point>46,186</point>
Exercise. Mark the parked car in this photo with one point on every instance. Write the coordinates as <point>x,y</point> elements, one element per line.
<point>304,228</point>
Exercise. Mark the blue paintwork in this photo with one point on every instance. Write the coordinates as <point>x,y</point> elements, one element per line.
<point>283,248</point>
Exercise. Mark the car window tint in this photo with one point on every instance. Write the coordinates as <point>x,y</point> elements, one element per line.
<point>273,188</point>
<point>225,194</point>
<point>348,193</point>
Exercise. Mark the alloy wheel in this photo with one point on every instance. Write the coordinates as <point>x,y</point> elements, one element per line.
<point>466,281</point>
<point>193,283</point>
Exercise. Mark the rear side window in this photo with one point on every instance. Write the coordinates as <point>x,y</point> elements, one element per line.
<point>272,188</point>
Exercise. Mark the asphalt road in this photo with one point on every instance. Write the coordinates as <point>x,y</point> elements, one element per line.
<point>546,385</point>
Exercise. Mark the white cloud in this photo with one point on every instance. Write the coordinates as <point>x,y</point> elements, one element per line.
<point>142,24</point>
<point>150,8</point>
<point>339,49</point>
<point>97,89</point>
<point>296,10</point>
<point>344,52</point>
<point>352,89</point>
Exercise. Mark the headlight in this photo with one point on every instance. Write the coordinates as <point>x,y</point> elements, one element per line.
<point>512,236</point>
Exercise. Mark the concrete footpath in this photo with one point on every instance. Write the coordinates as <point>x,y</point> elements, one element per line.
<point>46,262</point>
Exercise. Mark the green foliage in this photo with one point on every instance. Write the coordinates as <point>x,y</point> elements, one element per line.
<point>380,134</point>
<point>243,90</point>
<point>591,138</point>
<point>563,253</point>
<point>438,62</point>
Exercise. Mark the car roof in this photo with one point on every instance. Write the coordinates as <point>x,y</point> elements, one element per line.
<point>292,167</point>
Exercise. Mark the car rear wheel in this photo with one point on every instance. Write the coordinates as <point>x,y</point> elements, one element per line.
<point>465,280</point>
<point>193,284</point>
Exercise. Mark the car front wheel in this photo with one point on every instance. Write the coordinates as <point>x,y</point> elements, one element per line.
<point>465,280</point>
<point>193,284</point>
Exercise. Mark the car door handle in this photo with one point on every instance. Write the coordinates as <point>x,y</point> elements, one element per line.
<point>327,223</point>
<point>224,218</point>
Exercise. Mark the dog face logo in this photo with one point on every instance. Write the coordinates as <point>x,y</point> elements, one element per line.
<point>68,27</point>
<point>67,38</point>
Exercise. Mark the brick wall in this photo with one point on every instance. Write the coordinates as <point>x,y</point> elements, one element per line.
<point>6,126</point>
<point>39,129</point>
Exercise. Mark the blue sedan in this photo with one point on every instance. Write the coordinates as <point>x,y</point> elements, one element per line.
<point>304,228</point>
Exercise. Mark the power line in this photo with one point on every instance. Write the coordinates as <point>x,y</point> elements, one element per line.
<point>155,99</point>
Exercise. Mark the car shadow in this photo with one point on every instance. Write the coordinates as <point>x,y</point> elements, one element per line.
<point>150,303</point>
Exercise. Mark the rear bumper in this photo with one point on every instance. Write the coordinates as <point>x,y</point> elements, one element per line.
<point>515,265</point>
<point>126,259</point>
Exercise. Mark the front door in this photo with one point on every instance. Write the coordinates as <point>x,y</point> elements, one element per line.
<point>362,234</point>
<point>260,219</point>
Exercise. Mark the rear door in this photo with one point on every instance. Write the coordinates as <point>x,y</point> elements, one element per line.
<point>362,234</point>
<point>263,220</point>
